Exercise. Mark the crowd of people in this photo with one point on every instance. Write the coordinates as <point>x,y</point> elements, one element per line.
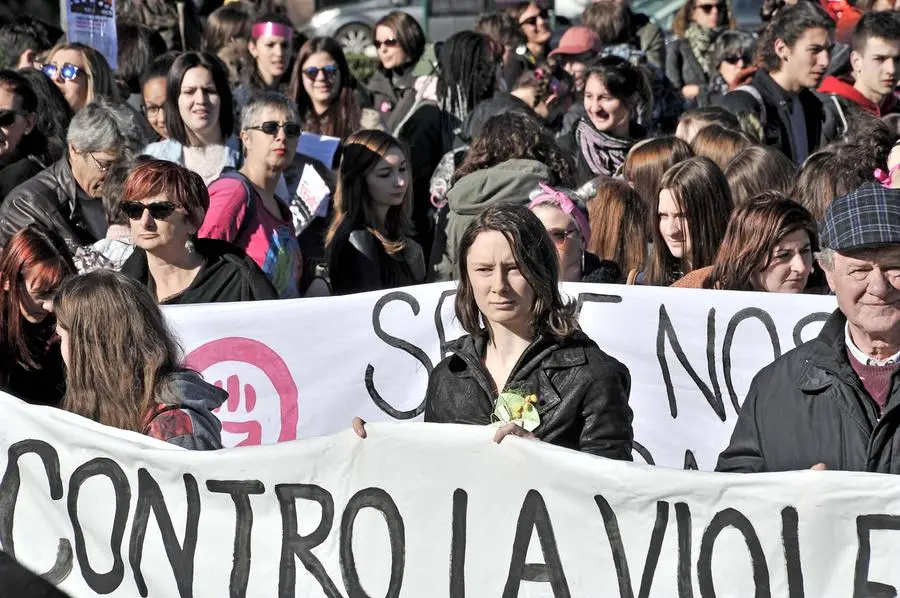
<point>724,159</point>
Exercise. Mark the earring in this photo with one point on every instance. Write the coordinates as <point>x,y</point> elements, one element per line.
<point>189,245</point>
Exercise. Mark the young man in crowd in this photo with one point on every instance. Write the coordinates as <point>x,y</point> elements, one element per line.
<point>24,39</point>
<point>794,53</point>
<point>869,88</point>
<point>834,402</point>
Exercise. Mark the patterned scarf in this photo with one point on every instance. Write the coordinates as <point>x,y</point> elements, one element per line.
<point>603,153</point>
<point>701,41</point>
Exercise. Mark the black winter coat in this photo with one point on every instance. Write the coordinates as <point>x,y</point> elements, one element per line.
<point>582,392</point>
<point>810,407</point>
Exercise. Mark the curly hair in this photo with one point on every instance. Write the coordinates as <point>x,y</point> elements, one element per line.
<point>510,136</point>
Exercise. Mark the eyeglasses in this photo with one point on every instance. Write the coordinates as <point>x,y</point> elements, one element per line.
<point>533,20</point>
<point>312,72</point>
<point>270,127</point>
<point>733,59</point>
<point>561,236</point>
<point>390,43</point>
<point>101,166</point>
<point>69,71</point>
<point>708,8</point>
<point>159,210</point>
<point>152,109</point>
<point>8,117</point>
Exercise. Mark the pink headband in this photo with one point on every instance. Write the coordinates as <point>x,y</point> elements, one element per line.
<point>271,29</point>
<point>565,203</point>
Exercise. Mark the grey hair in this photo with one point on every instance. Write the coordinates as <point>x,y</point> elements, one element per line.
<point>104,126</point>
<point>825,257</point>
<point>730,43</point>
<point>251,112</point>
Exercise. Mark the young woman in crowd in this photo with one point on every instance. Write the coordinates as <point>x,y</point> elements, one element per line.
<point>619,217</point>
<point>53,113</point>
<point>468,77</point>
<point>732,58</point>
<point>615,94</point>
<point>693,120</point>
<point>122,364</point>
<point>756,169</point>
<point>534,21</point>
<point>689,61</point>
<point>400,43</point>
<point>230,23</point>
<point>768,246</point>
<point>719,144</point>
<point>369,246</point>
<point>165,204</point>
<point>33,264</point>
<point>325,91</point>
<point>199,117</point>
<point>271,49</point>
<point>569,229</point>
<point>691,213</point>
<point>520,332</point>
<point>243,208</point>
<point>81,73</point>
<point>153,93</point>
<point>648,160</point>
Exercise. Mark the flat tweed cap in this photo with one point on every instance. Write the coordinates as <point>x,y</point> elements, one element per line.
<point>867,217</point>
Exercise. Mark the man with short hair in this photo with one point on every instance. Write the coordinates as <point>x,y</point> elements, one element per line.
<point>24,39</point>
<point>834,402</point>
<point>794,55</point>
<point>869,89</point>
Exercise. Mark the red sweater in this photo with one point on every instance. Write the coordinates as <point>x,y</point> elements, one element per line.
<point>875,378</point>
<point>844,88</point>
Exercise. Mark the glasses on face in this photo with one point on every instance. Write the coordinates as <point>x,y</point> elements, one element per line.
<point>312,72</point>
<point>561,236</point>
<point>8,117</point>
<point>68,71</point>
<point>101,166</point>
<point>152,109</point>
<point>159,210</point>
<point>733,60</point>
<point>389,43</point>
<point>708,8</point>
<point>270,127</point>
<point>543,15</point>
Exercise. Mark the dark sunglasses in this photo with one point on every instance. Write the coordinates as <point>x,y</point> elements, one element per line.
<point>733,59</point>
<point>270,127</point>
<point>8,117</point>
<point>159,210</point>
<point>390,43</point>
<point>312,72</point>
<point>68,71</point>
<point>708,8</point>
<point>533,20</point>
<point>560,237</point>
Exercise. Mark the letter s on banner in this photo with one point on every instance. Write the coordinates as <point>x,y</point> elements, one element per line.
<point>261,356</point>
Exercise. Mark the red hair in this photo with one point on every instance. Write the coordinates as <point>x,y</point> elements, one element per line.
<point>177,184</point>
<point>41,254</point>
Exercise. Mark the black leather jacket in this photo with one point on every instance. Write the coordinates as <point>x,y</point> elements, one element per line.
<point>582,392</point>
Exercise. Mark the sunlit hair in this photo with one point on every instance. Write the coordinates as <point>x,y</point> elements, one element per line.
<point>229,22</point>
<point>701,192</point>
<point>648,160</point>
<point>816,183</point>
<point>538,262</point>
<point>685,16</point>
<point>619,217</point>
<point>755,228</point>
<point>625,82</point>
<point>407,31</point>
<point>343,116</point>
<point>120,350</point>
<point>719,144</point>
<point>101,82</point>
<point>611,21</point>
<point>219,74</point>
<point>41,254</point>
<point>353,205</point>
<point>756,169</point>
<point>789,25</point>
<point>174,182</point>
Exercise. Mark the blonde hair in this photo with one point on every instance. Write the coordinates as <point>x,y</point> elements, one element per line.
<point>102,83</point>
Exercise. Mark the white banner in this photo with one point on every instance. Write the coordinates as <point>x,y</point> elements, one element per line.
<point>306,367</point>
<point>422,510</point>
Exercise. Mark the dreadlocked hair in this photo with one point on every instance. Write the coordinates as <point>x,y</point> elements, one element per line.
<point>468,71</point>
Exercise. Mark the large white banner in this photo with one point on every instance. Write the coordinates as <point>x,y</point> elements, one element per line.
<point>422,510</point>
<point>302,368</point>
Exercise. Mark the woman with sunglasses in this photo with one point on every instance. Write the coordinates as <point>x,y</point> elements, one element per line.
<point>325,91</point>
<point>165,204</point>
<point>534,20</point>
<point>732,63</point>
<point>689,61</point>
<point>568,228</point>
<point>81,73</point>
<point>243,207</point>
<point>199,117</point>
<point>400,43</point>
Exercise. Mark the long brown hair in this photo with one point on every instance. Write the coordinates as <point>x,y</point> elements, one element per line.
<point>537,260</point>
<point>353,203</point>
<point>618,218</point>
<point>703,196</point>
<point>649,159</point>
<point>720,144</point>
<point>755,228</point>
<point>684,17</point>
<point>120,350</point>
<point>757,169</point>
<point>343,116</point>
<point>41,254</point>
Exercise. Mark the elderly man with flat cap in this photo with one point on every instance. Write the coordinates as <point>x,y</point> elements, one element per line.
<point>834,402</point>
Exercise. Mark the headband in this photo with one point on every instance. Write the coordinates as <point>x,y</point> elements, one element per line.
<point>271,29</point>
<point>564,203</point>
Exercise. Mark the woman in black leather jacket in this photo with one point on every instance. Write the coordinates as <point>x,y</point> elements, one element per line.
<point>524,357</point>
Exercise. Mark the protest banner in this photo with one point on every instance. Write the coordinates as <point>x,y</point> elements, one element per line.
<point>302,368</point>
<point>424,510</point>
<point>93,23</point>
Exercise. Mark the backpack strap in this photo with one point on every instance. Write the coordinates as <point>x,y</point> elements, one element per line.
<point>752,91</point>
<point>252,199</point>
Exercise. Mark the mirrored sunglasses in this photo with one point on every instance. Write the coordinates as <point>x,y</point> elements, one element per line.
<point>270,127</point>
<point>68,71</point>
<point>312,72</point>
<point>159,210</point>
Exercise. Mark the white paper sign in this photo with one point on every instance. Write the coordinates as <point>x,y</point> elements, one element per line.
<point>319,147</point>
<point>93,23</point>
<point>311,365</point>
